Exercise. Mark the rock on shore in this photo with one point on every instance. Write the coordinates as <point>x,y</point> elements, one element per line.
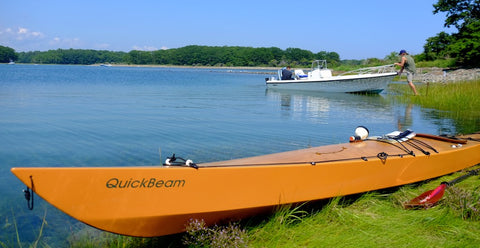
<point>440,75</point>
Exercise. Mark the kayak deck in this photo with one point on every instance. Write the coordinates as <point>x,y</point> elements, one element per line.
<point>363,150</point>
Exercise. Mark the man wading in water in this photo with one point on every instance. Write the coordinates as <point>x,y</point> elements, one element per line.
<point>408,64</point>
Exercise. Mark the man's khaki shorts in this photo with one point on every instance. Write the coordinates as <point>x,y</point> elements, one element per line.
<point>409,76</point>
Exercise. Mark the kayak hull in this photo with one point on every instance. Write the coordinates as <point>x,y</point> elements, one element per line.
<point>161,200</point>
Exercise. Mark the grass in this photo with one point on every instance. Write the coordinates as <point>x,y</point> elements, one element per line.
<point>450,96</point>
<point>458,101</point>
<point>377,219</point>
<point>38,240</point>
<point>441,63</point>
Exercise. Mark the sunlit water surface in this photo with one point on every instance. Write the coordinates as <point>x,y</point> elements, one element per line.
<point>131,116</point>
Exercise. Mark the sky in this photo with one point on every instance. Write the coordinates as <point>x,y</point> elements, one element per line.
<point>355,29</point>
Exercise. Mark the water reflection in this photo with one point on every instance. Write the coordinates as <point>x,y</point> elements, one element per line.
<point>298,105</point>
<point>405,120</point>
<point>320,107</point>
<point>380,113</point>
<point>443,122</point>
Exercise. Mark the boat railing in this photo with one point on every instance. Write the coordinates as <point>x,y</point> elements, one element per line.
<point>319,64</point>
<point>371,70</point>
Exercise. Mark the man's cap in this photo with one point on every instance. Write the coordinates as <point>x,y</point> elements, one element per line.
<point>402,51</point>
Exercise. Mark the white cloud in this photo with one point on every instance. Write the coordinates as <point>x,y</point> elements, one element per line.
<point>24,39</point>
<point>25,34</point>
<point>37,34</point>
<point>22,31</point>
<point>102,46</point>
<point>65,42</point>
<point>149,48</point>
<point>20,36</point>
<point>145,48</point>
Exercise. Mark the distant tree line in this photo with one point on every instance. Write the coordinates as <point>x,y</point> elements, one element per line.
<point>71,56</point>
<point>188,55</point>
<point>230,56</point>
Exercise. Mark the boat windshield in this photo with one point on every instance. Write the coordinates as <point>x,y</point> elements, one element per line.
<point>319,64</point>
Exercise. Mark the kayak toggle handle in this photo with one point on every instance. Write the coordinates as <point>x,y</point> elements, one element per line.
<point>172,161</point>
<point>28,193</point>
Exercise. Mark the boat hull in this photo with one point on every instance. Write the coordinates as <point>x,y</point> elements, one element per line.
<point>368,83</point>
<point>161,200</point>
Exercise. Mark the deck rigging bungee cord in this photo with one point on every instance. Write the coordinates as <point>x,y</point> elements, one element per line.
<point>395,139</point>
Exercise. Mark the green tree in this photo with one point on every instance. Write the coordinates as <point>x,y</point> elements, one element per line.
<point>391,58</point>
<point>464,45</point>
<point>373,62</point>
<point>139,57</point>
<point>437,46</point>
<point>298,56</point>
<point>7,54</point>
<point>188,55</point>
<point>333,58</point>
<point>71,56</point>
<point>459,12</point>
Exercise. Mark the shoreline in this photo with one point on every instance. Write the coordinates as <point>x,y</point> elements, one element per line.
<point>423,75</point>
<point>192,67</point>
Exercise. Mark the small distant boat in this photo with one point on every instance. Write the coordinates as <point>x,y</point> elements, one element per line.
<point>371,80</point>
<point>11,62</point>
<point>152,201</point>
<point>106,65</point>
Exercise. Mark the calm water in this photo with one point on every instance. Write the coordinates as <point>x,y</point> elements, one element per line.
<point>124,116</point>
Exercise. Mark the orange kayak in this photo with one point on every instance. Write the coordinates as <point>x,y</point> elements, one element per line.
<point>160,200</point>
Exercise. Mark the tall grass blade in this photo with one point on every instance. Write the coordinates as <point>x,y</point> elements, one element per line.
<point>40,233</point>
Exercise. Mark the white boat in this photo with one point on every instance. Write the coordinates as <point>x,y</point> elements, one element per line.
<point>320,78</point>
